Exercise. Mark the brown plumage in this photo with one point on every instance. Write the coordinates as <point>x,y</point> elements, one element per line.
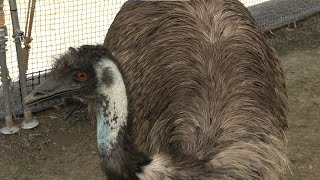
<point>206,91</point>
<point>191,90</point>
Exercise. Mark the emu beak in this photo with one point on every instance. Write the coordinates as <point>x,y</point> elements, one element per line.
<point>53,88</point>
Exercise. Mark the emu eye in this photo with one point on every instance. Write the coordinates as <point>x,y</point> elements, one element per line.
<point>82,76</point>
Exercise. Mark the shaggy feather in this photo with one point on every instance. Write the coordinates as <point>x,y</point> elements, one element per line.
<point>206,91</point>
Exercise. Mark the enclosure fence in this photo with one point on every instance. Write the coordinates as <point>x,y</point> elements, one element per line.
<point>60,24</point>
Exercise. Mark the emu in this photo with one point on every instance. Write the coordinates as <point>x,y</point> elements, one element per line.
<point>180,90</point>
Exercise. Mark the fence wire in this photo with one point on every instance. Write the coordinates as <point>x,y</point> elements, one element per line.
<point>60,24</point>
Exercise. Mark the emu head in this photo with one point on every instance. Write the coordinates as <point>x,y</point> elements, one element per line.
<point>76,77</point>
<point>90,75</point>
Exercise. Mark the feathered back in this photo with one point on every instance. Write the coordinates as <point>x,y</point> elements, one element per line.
<point>203,83</point>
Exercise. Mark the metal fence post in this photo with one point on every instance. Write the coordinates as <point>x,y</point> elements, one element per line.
<point>9,126</point>
<point>28,122</point>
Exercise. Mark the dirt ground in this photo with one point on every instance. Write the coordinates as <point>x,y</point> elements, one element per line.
<point>60,149</point>
<point>298,46</point>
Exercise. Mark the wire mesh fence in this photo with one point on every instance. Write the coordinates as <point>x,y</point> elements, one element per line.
<point>60,24</point>
<point>273,14</point>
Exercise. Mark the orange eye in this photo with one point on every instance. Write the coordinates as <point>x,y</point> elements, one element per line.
<point>82,76</point>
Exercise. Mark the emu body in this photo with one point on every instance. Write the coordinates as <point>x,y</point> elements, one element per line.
<point>201,92</point>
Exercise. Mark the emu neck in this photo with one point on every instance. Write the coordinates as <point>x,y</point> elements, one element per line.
<point>109,123</point>
<point>120,159</point>
<point>112,116</point>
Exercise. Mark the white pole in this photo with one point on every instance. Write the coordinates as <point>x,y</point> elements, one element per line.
<point>28,122</point>
<point>9,127</point>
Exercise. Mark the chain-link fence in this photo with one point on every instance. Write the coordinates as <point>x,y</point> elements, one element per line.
<point>59,24</point>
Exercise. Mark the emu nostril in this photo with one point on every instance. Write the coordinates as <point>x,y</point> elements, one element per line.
<point>39,94</point>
